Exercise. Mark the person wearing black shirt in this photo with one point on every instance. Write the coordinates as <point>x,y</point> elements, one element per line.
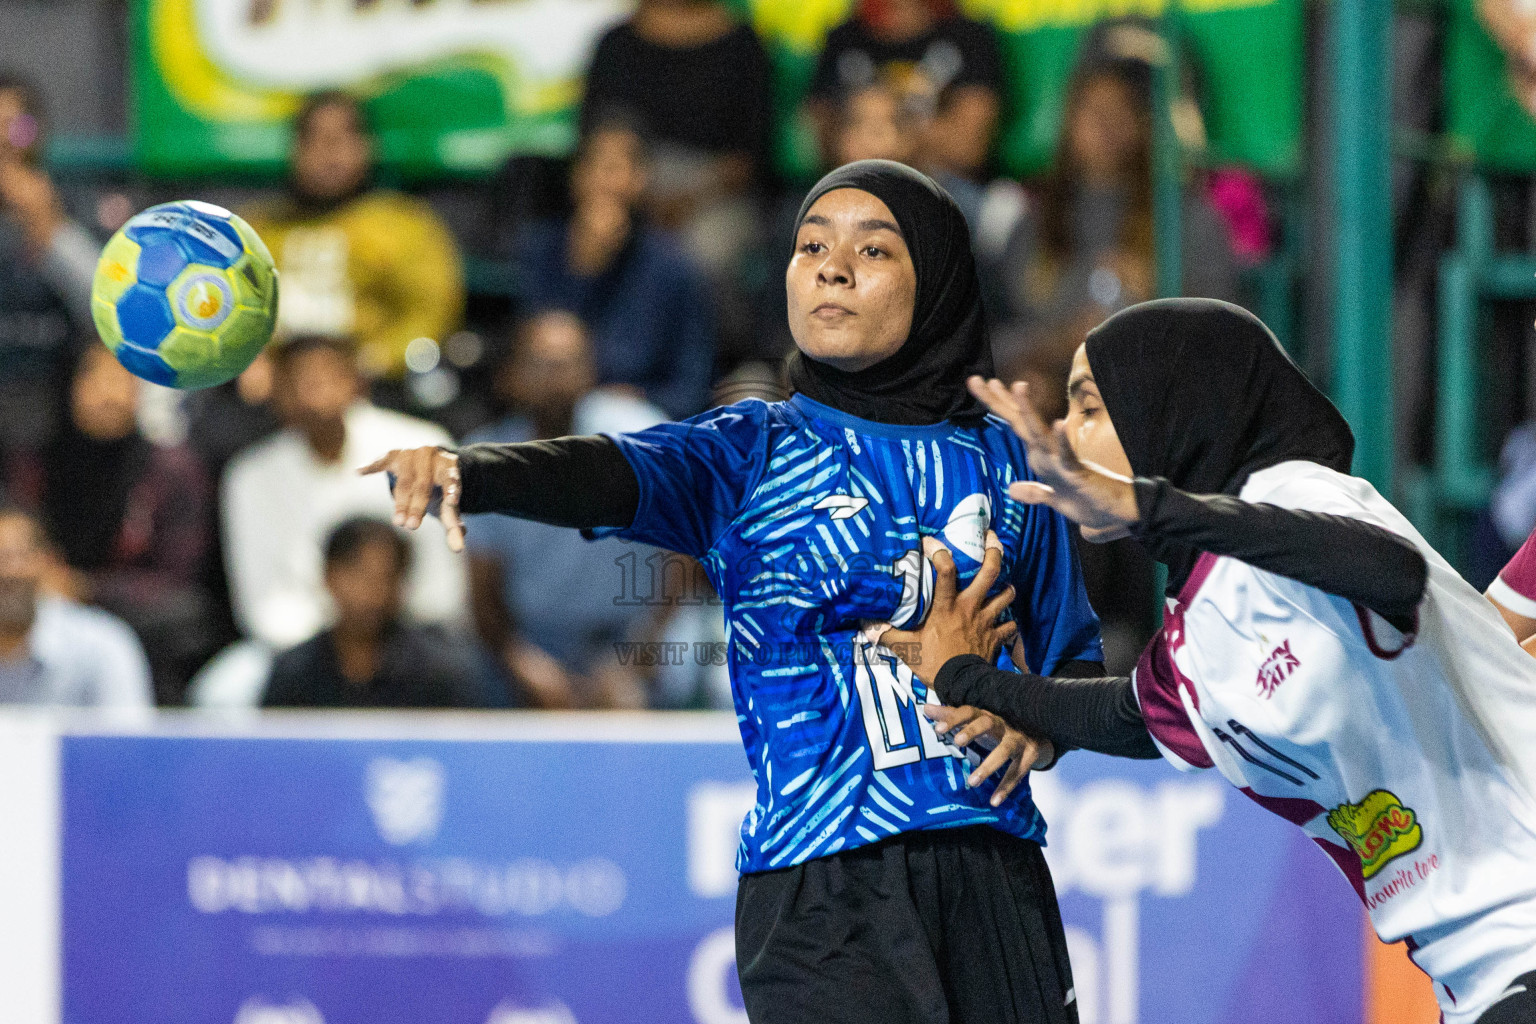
<point>921,47</point>
<point>370,658</point>
<point>699,81</point>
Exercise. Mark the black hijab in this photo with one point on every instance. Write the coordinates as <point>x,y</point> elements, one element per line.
<point>1203,395</point>
<point>923,382</point>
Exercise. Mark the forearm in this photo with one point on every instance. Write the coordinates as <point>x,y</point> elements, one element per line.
<point>1345,557</point>
<point>1089,714</point>
<point>577,482</point>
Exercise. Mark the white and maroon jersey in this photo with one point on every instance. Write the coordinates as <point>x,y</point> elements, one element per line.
<point>1515,585</point>
<point>1409,758</point>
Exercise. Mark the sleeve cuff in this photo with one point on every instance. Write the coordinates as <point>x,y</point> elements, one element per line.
<point>1501,593</point>
<point>949,682</point>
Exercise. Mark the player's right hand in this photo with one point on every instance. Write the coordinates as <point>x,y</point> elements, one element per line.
<point>418,476</point>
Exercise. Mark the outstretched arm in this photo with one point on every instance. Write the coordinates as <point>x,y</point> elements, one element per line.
<point>1345,557</point>
<point>579,482</point>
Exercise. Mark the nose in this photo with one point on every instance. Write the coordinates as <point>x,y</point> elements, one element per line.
<point>834,270</point>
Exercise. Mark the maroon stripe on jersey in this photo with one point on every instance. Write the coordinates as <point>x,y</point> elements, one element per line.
<point>1292,809</point>
<point>1348,862</point>
<point>1203,566</point>
<point>1369,632</point>
<point>1157,690</point>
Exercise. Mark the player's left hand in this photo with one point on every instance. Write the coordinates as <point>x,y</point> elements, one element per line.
<point>1101,502</point>
<point>1015,754</point>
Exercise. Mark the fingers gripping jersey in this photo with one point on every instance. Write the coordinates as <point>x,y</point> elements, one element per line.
<point>808,522</point>
<point>1408,758</point>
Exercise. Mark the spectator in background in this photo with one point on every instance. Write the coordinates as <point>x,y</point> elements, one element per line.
<point>47,262</point>
<point>549,604</point>
<point>926,50</point>
<point>282,496</point>
<point>357,261</point>
<point>699,81</point>
<point>1085,249</point>
<point>55,652</point>
<point>648,309</point>
<point>370,657</point>
<point>129,517</point>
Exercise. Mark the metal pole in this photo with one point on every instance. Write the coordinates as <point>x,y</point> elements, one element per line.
<point>1167,200</point>
<point>1362,344</point>
<point>1167,162</point>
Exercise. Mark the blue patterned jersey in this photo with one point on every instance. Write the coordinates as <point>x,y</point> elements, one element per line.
<point>809,522</point>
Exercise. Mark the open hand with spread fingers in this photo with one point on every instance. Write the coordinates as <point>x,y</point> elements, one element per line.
<point>1101,502</point>
<point>1013,753</point>
<point>424,481</point>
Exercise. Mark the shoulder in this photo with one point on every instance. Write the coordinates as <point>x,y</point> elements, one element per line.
<point>394,429</point>
<point>177,461</point>
<point>1310,487</point>
<point>268,214</point>
<point>967,31</point>
<point>88,631</point>
<point>270,454</point>
<point>388,202</point>
<point>997,436</point>
<point>603,411</point>
<point>731,439</point>
<point>662,250</point>
<point>619,39</point>
<point>509,430</point>
<point>301,658</point>
<point>750,416</point>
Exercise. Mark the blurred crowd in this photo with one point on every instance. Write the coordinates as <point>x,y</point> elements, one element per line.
<point>218,548</point>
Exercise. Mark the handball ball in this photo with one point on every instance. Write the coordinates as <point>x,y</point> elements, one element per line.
<point>185,295</point>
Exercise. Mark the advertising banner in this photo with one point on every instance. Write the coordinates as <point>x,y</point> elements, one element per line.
<point>455,86</point>
<point>586,875</point>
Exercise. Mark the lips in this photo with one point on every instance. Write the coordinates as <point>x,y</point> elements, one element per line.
<point>829,310</point>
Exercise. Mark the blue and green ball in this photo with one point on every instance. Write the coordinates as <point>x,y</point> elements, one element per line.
<point>185,295</point>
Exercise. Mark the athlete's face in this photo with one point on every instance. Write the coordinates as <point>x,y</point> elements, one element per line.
<point>1089,429</point>
<point>851,282</point>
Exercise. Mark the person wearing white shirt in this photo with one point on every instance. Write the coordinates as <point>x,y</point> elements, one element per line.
<point>57,653</point>
<point>282,496</point>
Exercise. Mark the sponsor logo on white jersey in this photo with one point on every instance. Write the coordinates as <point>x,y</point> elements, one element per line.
<point>1276,669</point>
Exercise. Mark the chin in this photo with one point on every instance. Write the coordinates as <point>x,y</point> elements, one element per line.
<point>835,352</point>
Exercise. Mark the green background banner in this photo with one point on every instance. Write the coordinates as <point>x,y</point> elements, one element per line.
<point>455,86</point>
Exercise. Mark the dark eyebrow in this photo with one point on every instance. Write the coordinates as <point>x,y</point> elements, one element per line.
<point>816,218</point>
<point>1076,384</point>
<point>877,225</point>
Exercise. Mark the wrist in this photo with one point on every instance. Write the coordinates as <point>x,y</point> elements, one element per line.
<point>949,680</point>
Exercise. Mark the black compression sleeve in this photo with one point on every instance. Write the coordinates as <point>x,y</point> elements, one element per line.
<point>1355,560</point>
<point>580,482</point>
<point>1089,714</point>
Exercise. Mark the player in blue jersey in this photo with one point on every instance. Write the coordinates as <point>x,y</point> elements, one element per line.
<point>886,875</point>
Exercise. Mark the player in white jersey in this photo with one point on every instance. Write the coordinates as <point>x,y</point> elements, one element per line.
<point>1316,651</point>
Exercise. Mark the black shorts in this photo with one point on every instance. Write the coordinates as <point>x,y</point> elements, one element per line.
<point>957,926</point>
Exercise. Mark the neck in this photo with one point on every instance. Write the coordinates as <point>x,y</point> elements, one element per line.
<point>13,638</point>
<point>681,24</point>
<point>326,440</point>
<point>359,650</point>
